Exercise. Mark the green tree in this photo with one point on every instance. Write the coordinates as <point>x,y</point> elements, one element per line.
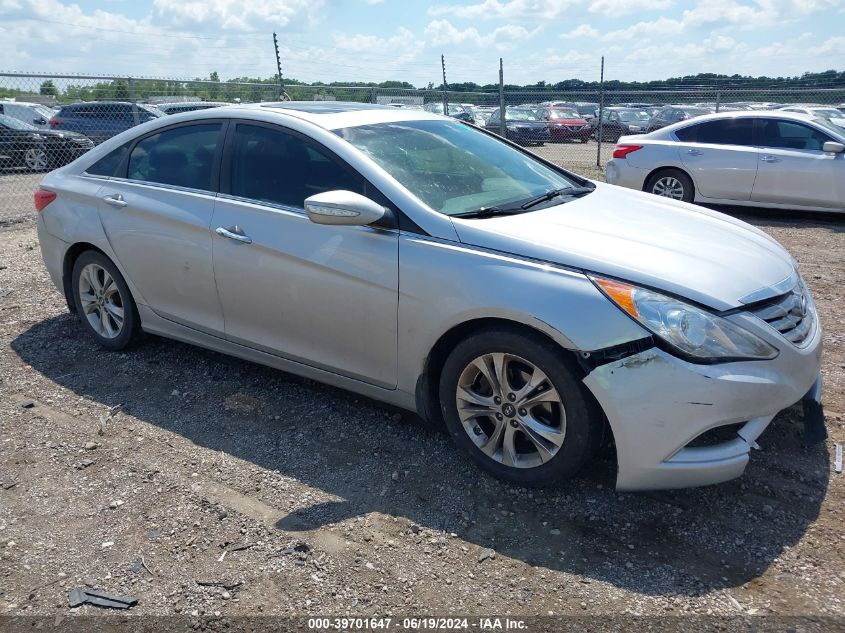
<point>48,88</point>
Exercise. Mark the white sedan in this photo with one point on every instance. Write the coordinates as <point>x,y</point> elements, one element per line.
<point>759,159</point>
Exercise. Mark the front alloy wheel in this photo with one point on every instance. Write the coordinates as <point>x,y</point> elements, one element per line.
<point>510,410</point>
<point>514,402</point>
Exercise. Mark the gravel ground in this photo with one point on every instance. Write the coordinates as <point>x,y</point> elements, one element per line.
<point>158,471</point>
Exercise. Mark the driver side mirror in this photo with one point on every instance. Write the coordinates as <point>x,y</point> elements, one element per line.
<point>343,207</point>
<point>40,121</point>
<point>832,147</point>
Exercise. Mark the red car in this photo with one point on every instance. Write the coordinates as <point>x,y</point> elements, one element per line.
<point>565,124</point>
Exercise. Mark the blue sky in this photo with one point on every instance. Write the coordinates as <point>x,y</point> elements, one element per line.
<point>377,40</point>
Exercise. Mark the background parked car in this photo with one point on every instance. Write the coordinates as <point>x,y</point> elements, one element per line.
<point>188,106</point>
<point>24,145</point>
<point>565,124</point>
<point>523,126</point>
<point>456,111</point>
<point>617,122</point>
<point>756,158</point>
<point>32,113</point>
<point>101,120</point>
<point>672,114</point>
<point>834,115</point>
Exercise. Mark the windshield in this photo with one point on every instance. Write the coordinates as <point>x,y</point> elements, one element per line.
<point>830,126</point>
<point>565,114</point>
<point>828,113</point>
<point>521,115</point>
<point>452,167</point>
<point>44,111</point>
<point>15,124</point>
<point>638,115</point>
<point>691,112</point>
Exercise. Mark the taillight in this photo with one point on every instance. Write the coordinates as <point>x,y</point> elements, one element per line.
<point>621,151</point>
<point>54,122</point>
<point>43,198</point>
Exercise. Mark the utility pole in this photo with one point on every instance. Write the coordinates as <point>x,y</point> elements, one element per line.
<point>445,96</point>
<point>279,66</point>
<point>503,130</point>
<point>601,113</point>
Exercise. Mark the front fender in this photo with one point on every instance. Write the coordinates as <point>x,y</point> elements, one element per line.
<point>445,284</point>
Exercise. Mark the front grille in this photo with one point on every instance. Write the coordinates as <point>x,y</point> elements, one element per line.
<point>790,314</point>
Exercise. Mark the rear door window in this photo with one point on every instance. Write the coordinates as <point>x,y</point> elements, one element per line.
<point>182,156</point>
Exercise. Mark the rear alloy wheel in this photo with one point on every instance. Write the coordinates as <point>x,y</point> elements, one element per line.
<point>671,183</point>
<point>103,301</point>
<point>515,406</point>
<point>35,159</point>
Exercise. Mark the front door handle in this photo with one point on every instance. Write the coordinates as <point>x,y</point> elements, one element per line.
<point>115,200</point>
<point>694,152</point>
<point>233,233</point>
<point>769,159</point>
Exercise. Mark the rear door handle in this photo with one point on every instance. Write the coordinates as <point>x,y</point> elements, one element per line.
<point>769,159</point>
<point>233,233</point>
<point>115,200</point>
<point>694,152</point>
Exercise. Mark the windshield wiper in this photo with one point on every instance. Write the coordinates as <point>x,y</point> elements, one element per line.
<point>569,192</point>
<point>486,212</point>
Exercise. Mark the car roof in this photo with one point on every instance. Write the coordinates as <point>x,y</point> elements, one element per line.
<point>330,115</point>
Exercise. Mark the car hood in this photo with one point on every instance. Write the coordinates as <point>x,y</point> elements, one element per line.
<point>682,249</point>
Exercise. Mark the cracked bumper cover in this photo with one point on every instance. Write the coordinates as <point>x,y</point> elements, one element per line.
<point>657,403</point>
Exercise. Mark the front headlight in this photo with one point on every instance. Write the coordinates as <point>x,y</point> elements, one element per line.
<point>693,332</point>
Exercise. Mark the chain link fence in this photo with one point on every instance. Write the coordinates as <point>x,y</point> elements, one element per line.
<point>49,120</point>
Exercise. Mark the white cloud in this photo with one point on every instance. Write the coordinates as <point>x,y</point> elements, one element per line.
<point>508,9</point>
<point>616,8</point>
<point>236,14</point>
<point>444,33</point>
<point>584,30</point>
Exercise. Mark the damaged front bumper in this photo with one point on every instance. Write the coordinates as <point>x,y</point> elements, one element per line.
<point>657,404</point>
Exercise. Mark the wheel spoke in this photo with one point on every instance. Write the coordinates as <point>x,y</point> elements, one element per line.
<point>92,279</point>
<point>548,395</point>
<point>484,365</point>
<point>494,441</point>
<point>116,313</point>
<point>509,455</point>
<point>538,379</point>
<point>108,328</point>
<point>500,365</point>
<point>542,435</point>
<point>109,287</point>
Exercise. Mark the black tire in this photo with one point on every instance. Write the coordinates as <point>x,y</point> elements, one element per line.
<point>664,175</point>
<point>131,324</point>
<point>584,425</point>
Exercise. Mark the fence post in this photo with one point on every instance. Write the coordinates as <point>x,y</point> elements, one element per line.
<point>718,98</point>
<point>133,98</point>
<point>503,130</point>
<point>601,113</point>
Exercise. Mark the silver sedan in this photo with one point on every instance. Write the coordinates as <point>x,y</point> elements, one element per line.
<point>427,263</point>
<point>771,159</point>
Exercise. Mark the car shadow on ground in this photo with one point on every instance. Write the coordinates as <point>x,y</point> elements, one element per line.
<point>687,542</point>
<point>829,221</point>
